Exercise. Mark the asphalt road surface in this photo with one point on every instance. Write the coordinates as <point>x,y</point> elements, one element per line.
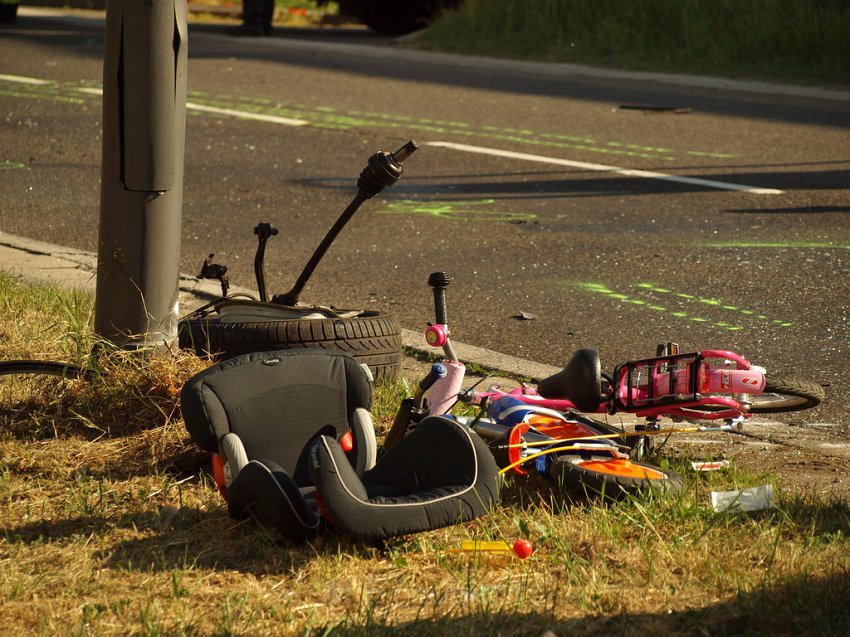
<point>572,210</point>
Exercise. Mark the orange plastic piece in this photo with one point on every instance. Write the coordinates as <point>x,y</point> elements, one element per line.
<point>218,475</point>
<point>347,442</point>
<point>560,429</point>
<point>621,467</point>
<point>514,449</point>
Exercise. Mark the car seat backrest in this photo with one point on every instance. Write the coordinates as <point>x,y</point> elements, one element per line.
<point>276,402</point>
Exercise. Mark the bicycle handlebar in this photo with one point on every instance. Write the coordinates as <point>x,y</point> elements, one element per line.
<point>439,281</point>
<point>438,371</point>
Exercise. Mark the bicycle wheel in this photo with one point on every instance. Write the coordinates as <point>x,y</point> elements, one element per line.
<point>50,368</point>
<point>786,394</point>
<point>614,476</point>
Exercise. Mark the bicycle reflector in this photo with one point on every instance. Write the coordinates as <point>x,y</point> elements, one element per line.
<point>515,446</point>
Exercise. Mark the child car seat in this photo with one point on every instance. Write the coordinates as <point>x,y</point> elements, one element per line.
<point>285,422</point>
<point>258,413</point>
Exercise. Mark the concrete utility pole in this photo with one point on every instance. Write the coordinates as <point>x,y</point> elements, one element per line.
<point>144,113</point>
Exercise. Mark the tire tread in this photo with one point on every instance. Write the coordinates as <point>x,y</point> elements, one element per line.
<point>372,338</point>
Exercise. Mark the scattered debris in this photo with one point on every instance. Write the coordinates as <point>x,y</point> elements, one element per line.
<point>710,465</point>
<point>750,499</point>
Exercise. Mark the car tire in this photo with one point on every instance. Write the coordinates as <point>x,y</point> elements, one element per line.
<point>372,338</point>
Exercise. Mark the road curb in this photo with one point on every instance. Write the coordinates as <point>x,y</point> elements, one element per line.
<point>40,262</point>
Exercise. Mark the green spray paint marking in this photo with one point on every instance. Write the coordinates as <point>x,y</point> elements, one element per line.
<point>604,290</point>
<point>39,93</point>
<point>651,287</point>
<point>327,117</point>
<point>457,210</point>
<point>777,244</point>
<point>330,118</point>
<point>12,165</point>
<point>702,153</point>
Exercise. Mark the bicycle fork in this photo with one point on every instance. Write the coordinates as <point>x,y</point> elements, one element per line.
<point>445,391</point>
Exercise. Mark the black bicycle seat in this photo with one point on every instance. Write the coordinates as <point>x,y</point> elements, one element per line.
<point>580,382</point>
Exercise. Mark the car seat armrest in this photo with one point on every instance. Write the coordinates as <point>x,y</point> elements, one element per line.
<point>235,457</point>
<point>365,443</point>
<point>267,492</point>
<point>330,470</point>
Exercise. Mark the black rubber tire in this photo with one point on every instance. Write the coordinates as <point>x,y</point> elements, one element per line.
<point>372,338</point>
<point>49,368</point>
<point>786,394</point>
<point>618,479</point>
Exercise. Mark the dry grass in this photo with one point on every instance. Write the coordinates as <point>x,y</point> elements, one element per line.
<point>111,526</point>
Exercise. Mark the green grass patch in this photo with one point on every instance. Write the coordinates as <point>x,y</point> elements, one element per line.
<point>111,526</point>
<point>805,41</point>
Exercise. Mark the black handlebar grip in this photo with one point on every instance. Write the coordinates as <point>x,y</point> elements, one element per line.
<point>438,282</point>
<point>438,371</point>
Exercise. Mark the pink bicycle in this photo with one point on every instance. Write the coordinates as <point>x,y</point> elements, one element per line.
<point>549,425</point>
<point>718,386</point>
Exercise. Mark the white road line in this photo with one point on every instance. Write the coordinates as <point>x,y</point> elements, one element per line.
<point>707,183</point>
<point>272,119</point>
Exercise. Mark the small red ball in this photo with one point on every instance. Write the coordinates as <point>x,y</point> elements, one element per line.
<point>523,548</point>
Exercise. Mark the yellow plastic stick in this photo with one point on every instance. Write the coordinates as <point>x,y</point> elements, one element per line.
<point>495,546</point>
